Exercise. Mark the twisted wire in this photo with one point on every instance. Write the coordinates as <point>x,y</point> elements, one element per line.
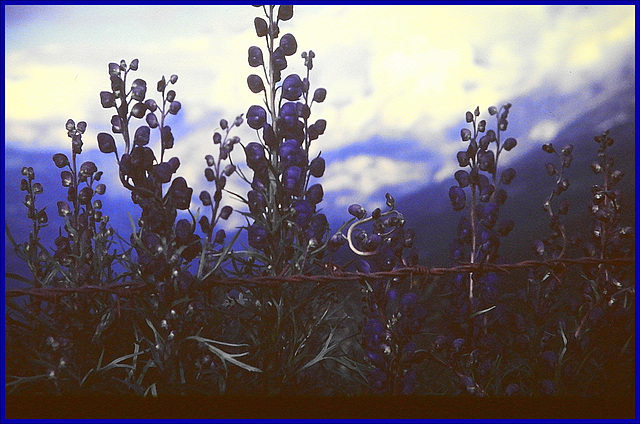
<point>136,287</point>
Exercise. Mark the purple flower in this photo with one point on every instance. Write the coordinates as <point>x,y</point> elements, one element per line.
<point>279,59</point>
<point>357,211</point>
<point>292,180</point>
<point>106,143</point>
<point>509,143</point>
<point>317,167</point>
<point>107,99</point>
<point>292,87</point>
<point>458,198</point>
<point>255,57</point>
<point>462,177</point>
<point>255,83</point>
<point>138,89</point>
<point>257,236</point>
<point>289,115</point>
<point>319,95</point>
<point>291,154</point>
<point>256,117</point>
<point>180,193</point>
<point>303,212</point>
<point>288,44</point>
<point>315,193</point>
<point>507,176</point>
<point>256,159</point>
<point>141,137</point>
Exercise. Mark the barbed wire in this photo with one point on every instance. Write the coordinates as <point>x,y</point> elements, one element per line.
<point>124,289</point>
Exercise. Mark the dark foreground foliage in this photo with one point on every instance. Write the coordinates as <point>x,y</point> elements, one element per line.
<point>532,335</point>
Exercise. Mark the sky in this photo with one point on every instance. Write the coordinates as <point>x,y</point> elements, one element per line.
<point>399,79</point>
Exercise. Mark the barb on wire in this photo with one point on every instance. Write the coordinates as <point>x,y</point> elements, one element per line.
<point>136,287</point>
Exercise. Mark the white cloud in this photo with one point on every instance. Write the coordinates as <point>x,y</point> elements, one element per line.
<point>360,176</point>
<point>405,72</point>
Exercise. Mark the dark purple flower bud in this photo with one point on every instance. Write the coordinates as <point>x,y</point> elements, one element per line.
<point>138,90</point>
<point>175,164</point>
<point>175,107</point>
<point>303,211</point>
<point>162,172</point>
<point>292,180</point>
<point>463,159</point>
<point>507,176</point>
<point>288,44</point>
<point>317,167</point>
<point>152,120</point>
<point>469,116</point>
<point>462,177</point>
<point>458,198</point>
<point>254,153</point>
<point>167,137</point>
<point>357,211</point>
<point>548,148</point>
<point>173,79</point>
<point>151,105</point>
<point>279,59</point>
<point>492,135</point>
<point>114,69</point>
<point>256,200</point>
<point>486,161</point>
<point>500,197</point>
<point>61,160</point>
<point>285,12</point>
<point>180,193</point>
<point>63,209</point>
<point>315,193</point>
<point>319,95</point>
<point>483,143</point>
<point>85,195</point>
<point>257,236</point>
<point>87,169</point>
<point>171,95</point>
<point>67,178</point>
<point>256,117</point>
<point>101,189</point>
<point>255,57</point>
<point>493,110</point>
<point>482,125</point>
<point>204,224</point>
<point>465,134</point>
<point>209,175</point>
<point>205,198</point>
<point>336,241</point>
<point>138,110</point>
<point>107,99</point>
<point>229,170</point>
<point>220,236</point>
<point>260,26</point>
<point>162,84</point>
<point>117,85</point>
<point>255,83</point>
<point>210,160</point>
<point>509,143</point>
<point>292,87</point>
<point>37,188</point>
<point>141,137</point>
<point>226,212</point>
<point>116,124</point>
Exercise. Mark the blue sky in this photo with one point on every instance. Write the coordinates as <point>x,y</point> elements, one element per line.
<point>399,79</point>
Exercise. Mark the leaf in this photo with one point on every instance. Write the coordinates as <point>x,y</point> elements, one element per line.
<point>484,311</point>
<point>224,356</point>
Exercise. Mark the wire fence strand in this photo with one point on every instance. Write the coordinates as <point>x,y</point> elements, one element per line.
<point>136,287</point>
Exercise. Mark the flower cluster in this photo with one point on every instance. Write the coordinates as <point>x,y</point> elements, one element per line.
<point>283,202</point>
<point>478,235</point>
<point>161,246</point>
